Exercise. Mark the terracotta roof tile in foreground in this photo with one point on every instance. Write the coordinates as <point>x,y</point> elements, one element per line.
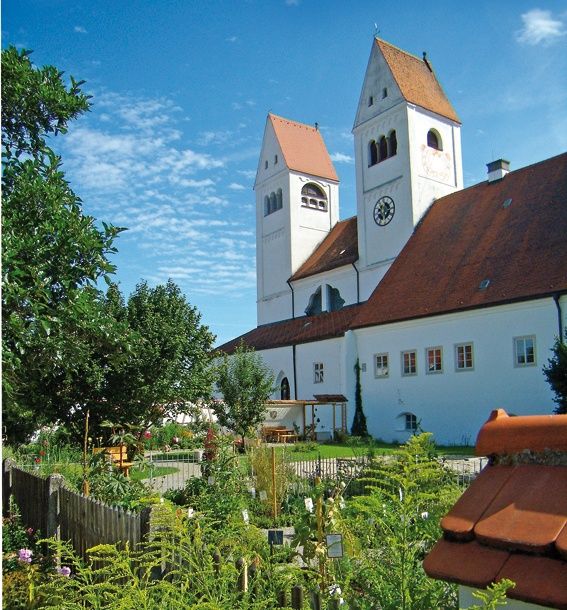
<point>295,331</point>
<point>511,233</point>
<point>417,81</point>
<point>339,248</point>
<point>512,521</point>
<point>303,148</point>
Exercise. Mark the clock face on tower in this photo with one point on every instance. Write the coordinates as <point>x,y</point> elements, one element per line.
<point>384,211</point>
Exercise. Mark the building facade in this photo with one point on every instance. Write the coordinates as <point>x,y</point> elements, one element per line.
<point>449,298</point>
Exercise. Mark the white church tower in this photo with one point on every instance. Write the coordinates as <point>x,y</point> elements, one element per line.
<point>408,153</point>
<point>297,204</point>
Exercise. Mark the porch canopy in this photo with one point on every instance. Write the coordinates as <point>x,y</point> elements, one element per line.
<point>319,400</point>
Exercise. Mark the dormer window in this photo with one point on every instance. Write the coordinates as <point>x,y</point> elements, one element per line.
<point>312,196</point>
<point>434,140</point>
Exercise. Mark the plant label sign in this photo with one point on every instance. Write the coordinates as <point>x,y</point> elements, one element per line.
<point>263,495</point>
<point>245,516</point>
<point>252,491</point>
<point>334,546</point>
<point>309,504</point>
<point>190,513</point>
<point>211,480</point>
<point>275,537</point>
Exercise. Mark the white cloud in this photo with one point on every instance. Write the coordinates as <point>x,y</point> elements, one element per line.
<point>248,173</point>
<point>236,187</point>
<point>540,28</point>
<point>341,158</point>
<point>236,106</point>
<point>231,39</point>
<point>79,29</point>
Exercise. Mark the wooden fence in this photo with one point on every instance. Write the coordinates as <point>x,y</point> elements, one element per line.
<point>48,506</point>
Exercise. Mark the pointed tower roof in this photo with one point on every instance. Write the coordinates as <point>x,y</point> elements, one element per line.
<point>417,81</point>
<point>303,148</point>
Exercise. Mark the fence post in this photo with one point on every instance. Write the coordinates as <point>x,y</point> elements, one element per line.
<point>297,597</point>
<point>243,574</point>
<point>7,466</point>
<point>282,599</point>
<point>316,600</point>
<point>217,562</point>
<point>145,522</point>
<point>54,484</point>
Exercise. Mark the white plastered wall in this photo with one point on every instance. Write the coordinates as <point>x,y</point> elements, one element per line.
<point>454,404</point>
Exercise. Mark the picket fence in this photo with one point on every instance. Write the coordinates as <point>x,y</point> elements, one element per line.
<point>51,508</point>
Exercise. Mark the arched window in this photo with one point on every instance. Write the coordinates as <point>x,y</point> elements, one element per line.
<point>314,306</point>
<point>266,205</point>
<point>284,389</point>
<point>434,140</point>
<point>392,143</point>
<point>372,153</point>
<point>382,149</point>
<point>279,199</point>
<point>273,202</point>
<point>313,196</point>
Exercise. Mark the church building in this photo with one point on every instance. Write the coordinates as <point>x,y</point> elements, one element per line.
<point>450,299</point>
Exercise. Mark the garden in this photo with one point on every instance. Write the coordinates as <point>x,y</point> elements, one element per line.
<point>86,368</point>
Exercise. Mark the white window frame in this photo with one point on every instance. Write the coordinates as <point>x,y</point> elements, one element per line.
<point>428,371</point>
<point>458,346</point>
<point>382,372</point>
<point>403,364</point>
<point>523,339</point>
<point>318,372</point>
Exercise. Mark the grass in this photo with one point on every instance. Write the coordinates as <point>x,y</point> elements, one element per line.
<point>138,474</point>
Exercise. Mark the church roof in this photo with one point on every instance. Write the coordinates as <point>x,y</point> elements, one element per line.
<point>507,524</point>
<point>295,331</point>
<point>488,244</point>
<point>339,248</point>
<point>303,148</point>
<point>416,80</point>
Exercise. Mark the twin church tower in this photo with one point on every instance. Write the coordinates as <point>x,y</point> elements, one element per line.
<point>407,145</point>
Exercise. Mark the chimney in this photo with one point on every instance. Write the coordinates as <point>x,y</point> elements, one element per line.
<point>497,169</point>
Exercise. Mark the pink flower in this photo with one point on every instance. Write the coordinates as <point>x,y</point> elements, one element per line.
<point>64,571</point>
<point>29,531</point>
<point>175,440</point>
<point>25,555</point>
<point>37,460</point>
<point>147,434</point>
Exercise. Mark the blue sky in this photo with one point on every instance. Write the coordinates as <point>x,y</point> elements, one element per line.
<point>181,90</point>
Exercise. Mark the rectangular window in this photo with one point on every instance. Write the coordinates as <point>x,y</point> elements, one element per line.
<point>318,372</point>
<point>464,357</point>
<point>434,360</point>
<point>411,422</point>
<point>524,351</point>
<point>409,363</point>
<point>381,365</point>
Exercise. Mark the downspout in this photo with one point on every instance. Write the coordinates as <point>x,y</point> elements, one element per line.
<point>556,298</point>
<point>292,299</point>
<point>294,373</point>
<point>357,283</point>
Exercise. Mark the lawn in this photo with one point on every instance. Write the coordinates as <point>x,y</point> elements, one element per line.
<point>138,474</point>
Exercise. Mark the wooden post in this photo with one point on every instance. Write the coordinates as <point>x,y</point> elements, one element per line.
<point>217,562</point>
<point>274,492</point>
<point>334,421</point>
<point>86,486</point>
<point>7,466</point>
<point>243,574</point>
<point>54,483</point>
<point>304,418</point>
<point>313,435</point>
<point>297,597</point>
<point>282,599</point>
<point>316,600</point>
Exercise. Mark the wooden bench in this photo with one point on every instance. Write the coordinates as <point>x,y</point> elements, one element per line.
<point>118,456</point>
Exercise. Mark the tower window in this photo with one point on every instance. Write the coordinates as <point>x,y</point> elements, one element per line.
<point>434,140</point>
<point>382,149</point>
<point>275,159</point>
<point>314,197</point>
<point>372,153</point>
<point>266,164</point>
<point>273,202</point>
<point>384,92</point>
<point>392,143</point>
<point>371,100</point>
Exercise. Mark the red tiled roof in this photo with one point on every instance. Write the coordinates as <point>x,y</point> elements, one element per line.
<point>417,81</point>
<point>512,521</point>
<point>303,148</point>
<point>471,236</point>
<point>294,331</point>
<point>503,434</point>
<point>339,248</point>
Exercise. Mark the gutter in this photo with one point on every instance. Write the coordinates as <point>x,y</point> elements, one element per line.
<point>556,298</point>
<point>292,299</point>
<point>357,283</point>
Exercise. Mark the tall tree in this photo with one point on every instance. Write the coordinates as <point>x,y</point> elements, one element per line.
<point>556,375</point>
<point>168,362</point>
<point>52,254</point>
<point>245,383</point>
